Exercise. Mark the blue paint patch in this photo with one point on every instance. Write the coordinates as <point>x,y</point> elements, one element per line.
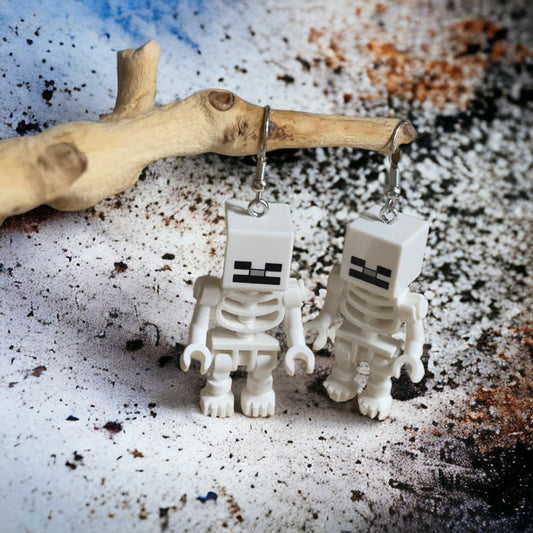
<point>134,16</point>
<point>208,496</point>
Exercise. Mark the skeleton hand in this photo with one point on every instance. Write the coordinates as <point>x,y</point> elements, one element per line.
<point>411,357</point>
<point>197,351</point>
<point>318,327</point>
<point>301,352</point>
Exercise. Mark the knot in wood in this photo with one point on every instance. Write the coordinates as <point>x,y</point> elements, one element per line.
<point>222,100</point>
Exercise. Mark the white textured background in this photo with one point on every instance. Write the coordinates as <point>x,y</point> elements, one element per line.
<point>93,319</point>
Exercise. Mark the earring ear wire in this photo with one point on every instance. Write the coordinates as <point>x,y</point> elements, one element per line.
<point>259,206</point>
<point>388,212</point>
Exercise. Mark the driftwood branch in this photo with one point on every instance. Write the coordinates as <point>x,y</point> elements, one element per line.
<point>34,173</point>
<point>95,160</point>
<point>136,81</point>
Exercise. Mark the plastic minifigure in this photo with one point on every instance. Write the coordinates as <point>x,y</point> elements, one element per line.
<point>233,313</point>
<point>370,291</point>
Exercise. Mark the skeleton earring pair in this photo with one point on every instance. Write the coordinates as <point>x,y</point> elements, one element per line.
<point>382,321</point>
<point>233,314</point>
<point>382,255</point>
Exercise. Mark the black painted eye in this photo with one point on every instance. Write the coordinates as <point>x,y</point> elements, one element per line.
<point>375,277</point>
<point>257,275</point>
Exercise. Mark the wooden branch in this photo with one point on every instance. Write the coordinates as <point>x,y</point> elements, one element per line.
<point>136,81</point>
<point>33,173</point>
<point>121,144</point>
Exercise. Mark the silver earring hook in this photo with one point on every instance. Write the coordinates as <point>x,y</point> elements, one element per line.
<point>388,212</point>
<point>259,206</point>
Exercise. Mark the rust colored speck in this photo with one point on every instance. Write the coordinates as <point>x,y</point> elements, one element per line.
<point>38,371</point>
<point>113,427</point>
<point>314,35</point>
<point>120,266</point>
<point>525,336</point>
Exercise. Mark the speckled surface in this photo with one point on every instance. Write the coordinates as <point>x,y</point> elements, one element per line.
<point>100,428</point>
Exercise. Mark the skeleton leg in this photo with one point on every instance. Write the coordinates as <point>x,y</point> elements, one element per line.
<point>216,398</point>
<point>342,384</point>
<point>376,399</point>
<point>257,397</point>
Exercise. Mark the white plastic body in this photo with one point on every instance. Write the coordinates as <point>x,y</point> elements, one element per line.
<point>234,313</point>
<point>370,291</point>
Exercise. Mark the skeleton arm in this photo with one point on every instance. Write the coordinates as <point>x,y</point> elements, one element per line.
<point>207,293</point>
<point>412,311</point>
<point>294,329</point>
<point>319,325</point>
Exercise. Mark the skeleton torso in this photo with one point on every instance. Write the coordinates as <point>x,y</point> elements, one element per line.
<point>248,312</point>
<point>235,321</point>
<point>241,318</point>
<point>369,311</point>
<point>370,322</point>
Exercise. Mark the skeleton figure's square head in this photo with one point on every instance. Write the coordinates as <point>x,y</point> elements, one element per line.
<point>383,258</point>
<point>258,249</point>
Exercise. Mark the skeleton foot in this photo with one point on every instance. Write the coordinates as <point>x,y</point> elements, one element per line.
<point>258,404</point>
<point>341,391</point>
<point>219,406</point>
<point>375,407</point>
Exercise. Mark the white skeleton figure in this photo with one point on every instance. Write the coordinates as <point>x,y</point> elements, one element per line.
<point>370,291</point>
<point>233,313</point>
